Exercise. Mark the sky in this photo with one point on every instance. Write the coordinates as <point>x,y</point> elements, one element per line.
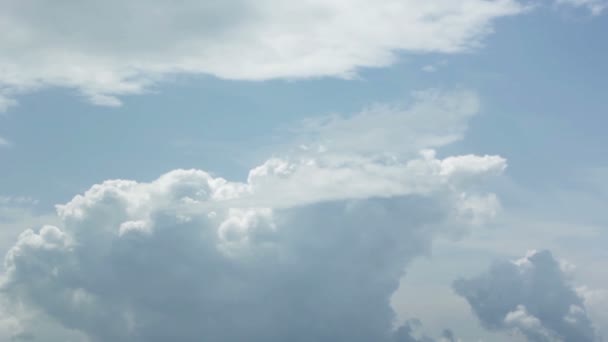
<point>387,170</point>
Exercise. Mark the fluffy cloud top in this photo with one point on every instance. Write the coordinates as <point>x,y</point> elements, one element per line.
<point>175,259</point>
<point>310,248</point>
<point>111,48</point>
<point>531,296</point>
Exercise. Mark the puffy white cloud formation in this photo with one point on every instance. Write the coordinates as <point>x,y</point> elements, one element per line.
<point>531,296</point>
<point>111,48</point>
<point>176,259</point>
<point>310,248</point>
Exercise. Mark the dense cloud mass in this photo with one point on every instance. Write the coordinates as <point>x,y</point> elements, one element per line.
<point>175,260</point>
<point>111,48</point>
<point>531,296</point>
<point>310,248</point>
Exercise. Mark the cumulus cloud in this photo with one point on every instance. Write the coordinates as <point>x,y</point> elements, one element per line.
<point>596,7</point>
<point>115,48</point>
<point>532,296</point>
<point>596,303</point>
<point>310,248</point>
<point>16,214</point>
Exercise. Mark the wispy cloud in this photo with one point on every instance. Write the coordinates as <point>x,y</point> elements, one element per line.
<point>596,7</point>
<point>4,142</point>
<point>236,39</point>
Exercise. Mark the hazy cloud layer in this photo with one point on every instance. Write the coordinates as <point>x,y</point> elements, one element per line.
<point>531,296</point>
<point>596,7</point>
<point>310,248</point>
<point>112,48</point>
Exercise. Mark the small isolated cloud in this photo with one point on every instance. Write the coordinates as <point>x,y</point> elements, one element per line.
<point>310,248</point>
<point>4,142</point>
<point>531,296</point>
<point>596,7</point>
<point>434,67</point>
<point>429,68</point>
<point>113,48</point>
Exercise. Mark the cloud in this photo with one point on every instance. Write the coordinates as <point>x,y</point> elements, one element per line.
<point>16,214</point>
<point>532,296</point>
<point>435,66</point>
<point>432,119</point>
<point>429,68</point>
<point>596,7</point>
<point>409,332</point>
<point>118,48</point>
<point>4,142</point>
<point>596,303</point>
<point>17,200</point>
<point>310,248</point>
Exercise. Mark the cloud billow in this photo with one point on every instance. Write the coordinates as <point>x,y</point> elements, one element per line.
<point>310,248</point>
<point>531,296</point>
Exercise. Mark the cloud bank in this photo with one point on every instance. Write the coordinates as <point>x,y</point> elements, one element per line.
<point>104,50</point>
<point>310,248</point>
<point>531,296</point>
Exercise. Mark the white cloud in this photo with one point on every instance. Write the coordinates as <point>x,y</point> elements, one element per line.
<point>225,272</point>
<point>433,119</point>
<point>16,214</point>
<point>596,7</point>
<point>532,296</point>
<point>530,326</point>
<point>292,254</point>
<point>116,48</point>
<point>596,302</point>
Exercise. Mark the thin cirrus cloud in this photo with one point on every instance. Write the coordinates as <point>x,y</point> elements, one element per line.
<point>105,50</point>
<point>310,248</point>
<point>596,7</point>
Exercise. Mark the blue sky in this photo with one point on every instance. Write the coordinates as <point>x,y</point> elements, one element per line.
<point>537,75</point>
